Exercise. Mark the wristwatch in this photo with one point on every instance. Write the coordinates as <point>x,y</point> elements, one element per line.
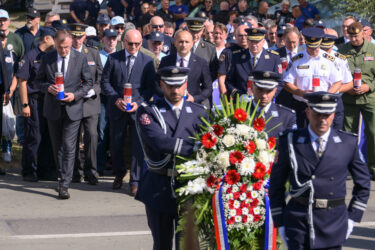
<point>25,105</point>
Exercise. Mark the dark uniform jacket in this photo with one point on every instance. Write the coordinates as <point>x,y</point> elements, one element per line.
<point>207,51</point>
<point>328,175</point>
<point>199,80</point>
<point>91,106</point>
<point>155,189</point>
<point>241,68</point>
<point>114,76</point>
<point>77,81</point>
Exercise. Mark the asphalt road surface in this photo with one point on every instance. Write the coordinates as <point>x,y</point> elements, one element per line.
<point>96,217</point>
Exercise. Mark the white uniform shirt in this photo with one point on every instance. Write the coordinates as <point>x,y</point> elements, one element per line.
<point>343,67</point>
<point>301,72</point>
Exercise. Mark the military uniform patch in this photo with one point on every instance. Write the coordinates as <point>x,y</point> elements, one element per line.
<point>298,56</point>
<point>274,52</point>
<point>86,50</point>
<point>303,66</point>
<point>91,63</point>
<point>329,57</point>
<point>10,47</point>
<point>222,58</point>
<point>8,59</point>
<point>341,56</point>
<point>144,119</point>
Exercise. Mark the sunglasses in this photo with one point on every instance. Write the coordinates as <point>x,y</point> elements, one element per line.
<point>157,26</point>
<point>133,44</point>
<point>76,37</point>
<point>30,17</point>
<point>119,27</point>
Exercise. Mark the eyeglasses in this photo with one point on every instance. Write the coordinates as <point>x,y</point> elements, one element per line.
<point>154,26</point>
<point>133,44</point>
<point>120,27</point>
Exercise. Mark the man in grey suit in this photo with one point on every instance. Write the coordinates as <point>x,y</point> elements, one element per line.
<point>127,66</point>
<point>64,116</point>
<point>91,109</point>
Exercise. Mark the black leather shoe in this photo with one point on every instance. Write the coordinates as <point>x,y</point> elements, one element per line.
<point>30,178</point>
<point>92,180</point>
<point>117,183</point>
<point>63,193</point>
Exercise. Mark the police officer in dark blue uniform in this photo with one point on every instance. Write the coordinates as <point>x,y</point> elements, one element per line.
<point>165,128</point>
<point>32,109</point>
<point>256,58</point>
<point>264,89</point>
<point>30,33</point>
<point>316,217</point>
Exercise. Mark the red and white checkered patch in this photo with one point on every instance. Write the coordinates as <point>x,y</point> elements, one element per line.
<point>144,119</point>
<point>280,67</point>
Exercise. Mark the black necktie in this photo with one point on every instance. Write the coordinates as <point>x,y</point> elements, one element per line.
<point>63,66</point>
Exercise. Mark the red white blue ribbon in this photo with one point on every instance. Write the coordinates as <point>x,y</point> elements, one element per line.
<point>270,236</point>
<point>219,220</point>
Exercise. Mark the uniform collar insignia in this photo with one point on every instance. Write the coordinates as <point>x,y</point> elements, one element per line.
<point>274,113</point>
<point>336,139</point>
<point>266,57</point>
<point>301,139</point>
<point>162,110</point>
<point>188,110</point>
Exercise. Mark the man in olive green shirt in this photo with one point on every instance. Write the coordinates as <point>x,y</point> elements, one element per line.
<point>14,42</point>
<point>361,99</point>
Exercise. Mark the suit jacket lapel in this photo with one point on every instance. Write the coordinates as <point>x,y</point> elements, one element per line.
<point>123,65</point>
<point>137,65</point>
<point>261,60</point>
<point>304,148</point>
<point>54,63</point>
<point>70,65</point>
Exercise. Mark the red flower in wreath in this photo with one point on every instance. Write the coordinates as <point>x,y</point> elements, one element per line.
<point>259,171</point>
<point>238,211</point>
<point>231,221</point>
<point>211,181</point>
<point>250,147</point>
<point>244,218</point>
<point>270,168</point>
<point>259,124</point>
<point>257,185</point>
<point>235,157</point>
<point>218,130</point>
<point>240,115</point>
<point>271,142</point>
<point>254,203</point>
<point>257,217</point>
<point>236,195</point>
<point>208,140</point>
<point>229,190</point>
<point>232,177</point>
<point>243,188</point>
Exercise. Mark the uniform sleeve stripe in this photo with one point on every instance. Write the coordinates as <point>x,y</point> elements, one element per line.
<point>176,146</point>
<point>360,204</point>
<point>276,213</point>
<point>359,208</point>
<point>180,146</point>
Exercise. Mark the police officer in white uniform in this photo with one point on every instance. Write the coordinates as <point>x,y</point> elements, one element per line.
<point>304,66</point>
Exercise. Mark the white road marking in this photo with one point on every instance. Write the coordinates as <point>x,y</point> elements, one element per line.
<point>365,224</point>
<point>79,235</point>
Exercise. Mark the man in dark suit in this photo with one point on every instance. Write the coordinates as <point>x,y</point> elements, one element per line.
<point>91,109</point>
<point>316,216</point>
<point>64,116</point>
<point>264,89</point>
<point>127,66</point>
<point>4,85</point>
<point>199,87</point>
<point>246,61</point>
<point>165,129</point>
<point>202,48</point>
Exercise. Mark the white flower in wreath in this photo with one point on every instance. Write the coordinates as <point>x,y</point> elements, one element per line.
<point>254,194</point>
<point>196,186</point>
<point>236,204</point>
<point>243,196</point>
<point>264,157</point>
<point>201,155</point>
<point>229,196</point>
<point>261,144</point>
<point>245,211</point>
<point>243,130</point>
<point>222,159</point>
<point>247,167</point>
<point>238,219</point>
<point>232,212</point>
<point>235,188</point>
<point>250,217</point>
<point>256,210</point>
<point>229,140</point>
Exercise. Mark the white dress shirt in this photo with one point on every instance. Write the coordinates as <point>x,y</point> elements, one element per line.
<point>186,60</point>
<point>59,63</point>
<point>314,139</point>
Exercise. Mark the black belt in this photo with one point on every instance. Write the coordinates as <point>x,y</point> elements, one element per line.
<point>321,203</point>
<point>163,171</point>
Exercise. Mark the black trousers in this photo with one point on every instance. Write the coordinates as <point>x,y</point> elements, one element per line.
<point>90,140</point>
<point>163,226</point>
<point>64,133</point>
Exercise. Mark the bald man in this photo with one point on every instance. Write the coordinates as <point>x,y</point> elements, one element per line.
<point>127,66</point>
<point>157,24</point>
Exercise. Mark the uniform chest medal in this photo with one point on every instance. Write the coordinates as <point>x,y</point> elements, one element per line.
<point>369,58</point>
<point>91,63</point>
<point>144,119</point>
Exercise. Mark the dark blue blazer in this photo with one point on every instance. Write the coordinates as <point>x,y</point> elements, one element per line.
<point>155,189</point>
<point>199,79</point>
<point>115,74</point>
<point>282,117</point>
<point>241,68</point>
<point>328,174</point>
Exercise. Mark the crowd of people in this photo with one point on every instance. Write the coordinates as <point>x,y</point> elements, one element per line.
<point>233,48</point>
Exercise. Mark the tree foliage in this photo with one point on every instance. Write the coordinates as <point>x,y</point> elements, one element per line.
<point>358,8</point>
